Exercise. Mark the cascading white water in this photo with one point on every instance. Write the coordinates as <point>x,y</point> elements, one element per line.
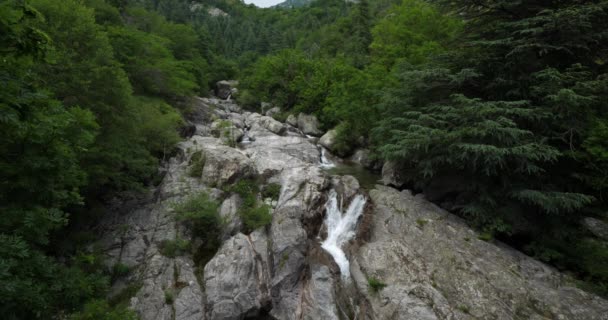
<point>246,139</point>
<point>341,228</point>
<point>325,163</point>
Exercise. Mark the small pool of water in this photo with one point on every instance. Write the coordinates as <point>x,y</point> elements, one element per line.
<point>367,179</point>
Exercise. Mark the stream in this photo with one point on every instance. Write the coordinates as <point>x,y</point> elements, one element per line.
<point>341,228</point>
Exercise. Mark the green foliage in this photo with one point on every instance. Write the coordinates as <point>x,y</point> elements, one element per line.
<point>159,124</point>
<point>271,190</point>
<point>174,248</point>
<point>226,131</point>
<point>246,188</point>
<point>412,31</point>
<point>463,308</point>
<point>169,297</point>
<point>197,163</point>
<point>375,285</point>
<point>71,131</point>
<point>421,223</point>
<point>150,64</point>
<point>120,270</point>
<point>514,113</point>
<point>501,105</point>
<point>121,299</point>
<point>253,214</point>
<point>100,310</point>
<point>200,213</point>
<point>256,217</point>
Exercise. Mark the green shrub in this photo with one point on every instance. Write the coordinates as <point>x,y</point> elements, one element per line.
<point>122,298</point>
<point>485,236</point>
<point>247,100</point>
<point>463,308</point>
<point>281,116</point>
<point>272,190</point>
<point>226,133</point>
<point>283,260</point>
<point>169,298</point>
<point>252,214</point>
<point>244,188</point>
<point>197,163</point>
<point>421,223</point>
<point>375,284</point>
<point>101,310</point>
<point>200,213</point>
<point>255,217</point>
<point>120,270</point>
<point>174,248</point>
<point>346,139</point>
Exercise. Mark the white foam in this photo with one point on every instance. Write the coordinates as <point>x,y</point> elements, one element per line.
<point>325,162</point>
<point>341,228</point>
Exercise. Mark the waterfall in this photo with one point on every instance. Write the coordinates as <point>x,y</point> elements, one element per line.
<point>325,163</point>
<point>229,96</point>
<point>246,139</point>
<point>341,228</point>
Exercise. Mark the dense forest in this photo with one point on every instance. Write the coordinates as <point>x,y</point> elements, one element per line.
<point>495,109</point>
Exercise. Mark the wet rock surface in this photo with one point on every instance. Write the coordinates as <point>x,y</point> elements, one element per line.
<point>433,265</point>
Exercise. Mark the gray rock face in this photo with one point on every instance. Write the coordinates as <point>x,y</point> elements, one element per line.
<point>391,175</point>
<point>346,186</point>
<point>272,125</point>
<point>236,279</point>
<point>319,288</point>
<point>223,164</point>
<point>272,111</point>
<point>292,120</point>
<point>597,227</point>
<point>216,12</point>
<point>309,125</point>
<point>229,213</point>
<point>328,140</point>
<point>364,158</point>
<point>438,269</point>
<point>433,264</point>
<point>224,88</point>
<point>229,132</point>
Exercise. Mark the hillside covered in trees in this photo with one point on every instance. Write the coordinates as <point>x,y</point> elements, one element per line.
<point>494,109</point>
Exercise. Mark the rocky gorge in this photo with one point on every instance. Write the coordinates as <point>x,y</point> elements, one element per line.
<point>399,255</point>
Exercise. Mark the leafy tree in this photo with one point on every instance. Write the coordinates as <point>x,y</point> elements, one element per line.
<point>42,142</point>
<point>412,31</point>
<point>509,123</point>
<point>150,64</point>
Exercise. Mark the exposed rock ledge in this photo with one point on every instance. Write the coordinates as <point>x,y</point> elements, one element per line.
<point>435,267</point>
<point>433,264</point>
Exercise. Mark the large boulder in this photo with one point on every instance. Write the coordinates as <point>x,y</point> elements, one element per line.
<point>229,213</point>
<point>272,111</point>
<point>225,88</point>
<point>272,125</point>
<point>236,279</point>
<point>309,124</point>
<point>435,267</point>
<point>228,131</point>
<point>364,158</point>
<point>328,140</point>
<point>392,174</point>
<point>320,293</point>
<point>597,227</point>
<point>292,120</point>
<point>222,164</point>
